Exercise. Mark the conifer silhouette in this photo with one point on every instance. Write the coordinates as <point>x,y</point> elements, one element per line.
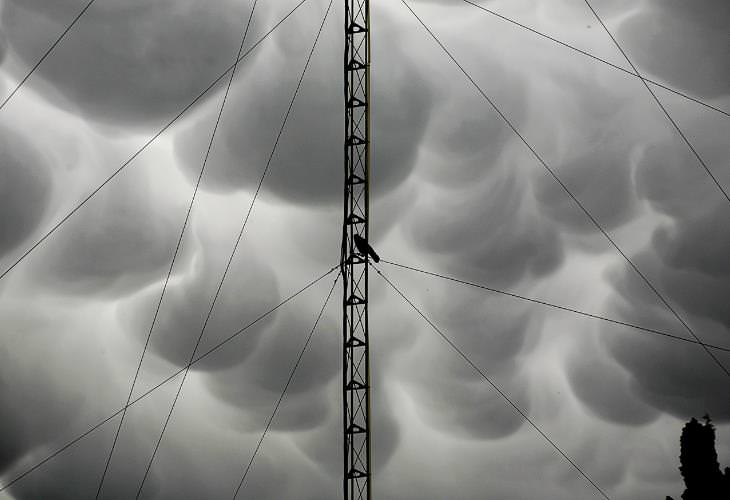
<point>698,463</point>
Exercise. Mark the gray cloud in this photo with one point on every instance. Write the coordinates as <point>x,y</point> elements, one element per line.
<point>25,188</point>
<point>255,384</point>
<point>79,474</point>
<point>487,233</point>
<point>671,179</point>
<point>481,211</point>
<point>455,3</point>
<point>697,273</point>
<point>466,141</point>
<point>31,411</point>
<point>686,259</point>
<point>452,397</point>
<point>607,391</point>
<point>601,179</point>
<point>677,378</point>
<point>479,222</point>
<point>470,409</point>
<point>45,401</point>
<point>133,72</point>
<point>466,199</point>
<point>122,240</point>
<point>310,414</point>
<point>250,289</point>
<point>3,46</point>
<point>307,167</point>
<point>597,144</point>
<point>684,43</point>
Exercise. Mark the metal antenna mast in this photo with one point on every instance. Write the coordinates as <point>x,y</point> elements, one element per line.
<point>353,260</point>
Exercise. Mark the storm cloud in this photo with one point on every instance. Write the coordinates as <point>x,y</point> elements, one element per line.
<point>25,188</point>
<point>189,297</point>
<point>308,162</point>
<point>684,44</point>
<point>127,63</point>
<point>687,257</point>
<point>121,242</point>
<point>454,191</point>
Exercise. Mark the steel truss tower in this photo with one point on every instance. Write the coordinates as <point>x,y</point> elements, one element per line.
<point>354,263</point>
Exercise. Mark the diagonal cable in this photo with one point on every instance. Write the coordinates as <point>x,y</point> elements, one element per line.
<point>144,395</point>
<point>284,389</point>
<point>567,190</point>
<point>504,395</point>
<point>48,51</point>
<point>177,249</point>
<point>554,306</point>
<point>595,57</point>
<point>139,151</point>
<point>661,106</point>
<point>235,248</point>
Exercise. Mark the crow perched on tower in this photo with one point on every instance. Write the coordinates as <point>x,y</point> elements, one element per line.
<point>364,248</point>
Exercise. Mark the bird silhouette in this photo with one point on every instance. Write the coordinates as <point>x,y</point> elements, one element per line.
<point>364,248</point>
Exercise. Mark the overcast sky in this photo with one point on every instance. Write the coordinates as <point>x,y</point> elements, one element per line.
<point>454,191</point>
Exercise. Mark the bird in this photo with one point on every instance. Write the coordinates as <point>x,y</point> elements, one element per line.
<point>364,248</point>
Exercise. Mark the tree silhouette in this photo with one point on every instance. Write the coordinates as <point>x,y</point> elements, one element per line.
<point>698,463</point>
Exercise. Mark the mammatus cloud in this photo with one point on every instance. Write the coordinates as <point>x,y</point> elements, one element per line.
<point>46,399</point>
<point>597,162</point>
<point>453,398</point>
<point>28,400</point>
<point>487,224</point>
<point>3,47</point>
<point>454,191</point>
<point>455,3</point>
<point>250,288</point>
<point>307,167</point>
<point>477,222</point>
<point>480,208</point>
<point>687,259</point>
<point>126,63</point>
<point>683,43</point>
<point>679,379</point>
<point>122,241</point>
<point>619,401</point>
<point>25,188</point>
<point>255,384</point>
